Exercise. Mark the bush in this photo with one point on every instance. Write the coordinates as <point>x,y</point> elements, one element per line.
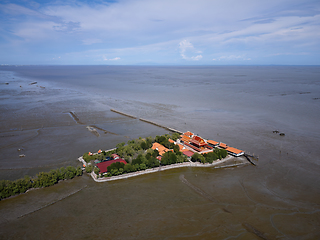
<point>181,158</point>
<point>210,157</point>
<point>128,168</point>
<point>116,165</point>
<point>140,159</point>
<point>96,170</point>
<point>221,153</point>
<point>89,168</point>
<point>196,157</point>
<point>168,158</point>
<point>43,179</point>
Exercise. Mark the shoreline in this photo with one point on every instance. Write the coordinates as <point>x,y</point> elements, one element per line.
<point>167,167</point>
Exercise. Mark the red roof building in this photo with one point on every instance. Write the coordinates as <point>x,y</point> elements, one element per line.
<point>198,141</point>
<point>104,165</point>
<point>188,153</point>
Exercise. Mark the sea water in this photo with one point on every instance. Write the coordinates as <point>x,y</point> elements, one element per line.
<point>238,105</point>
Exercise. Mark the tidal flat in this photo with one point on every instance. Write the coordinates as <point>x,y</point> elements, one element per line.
<point>278,198</point>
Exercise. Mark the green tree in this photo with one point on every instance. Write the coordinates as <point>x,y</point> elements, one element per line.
<point>175,136</point>
<point>196,157</point>
<point>89,168</point>
<point>168,158</point>
<point>62,175</point>
<point>96,170</point>
<point>128,168</point>
<point>176,149</point>
<point>143,166</point>
<point>152,162</point>
<point>210,157</point>
<point>221,153</point>
<point>140,159</point>
<point>181,158</point>
<point>79,171</point>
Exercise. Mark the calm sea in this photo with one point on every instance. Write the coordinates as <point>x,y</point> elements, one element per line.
<point>238,105</point>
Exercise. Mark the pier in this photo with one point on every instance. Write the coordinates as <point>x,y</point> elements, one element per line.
<point>247,157</point>
<point>147,121</point>
<point>122,113</point>
<point>159,125</point>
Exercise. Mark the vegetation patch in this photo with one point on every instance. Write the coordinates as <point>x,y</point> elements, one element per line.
<point>43,179</point>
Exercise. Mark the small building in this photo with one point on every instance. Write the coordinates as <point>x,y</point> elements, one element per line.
<point>235,152</point>
<point>212,143</point>
<point>161,149</point>
<point>185,139</point>
<point>90,154</point>
<point>181,147</point>
<point>99,151</point>
<point>188,153</point>
<point>103,166</point>
<point>223,145</point>
<point>198,141</point>
<point>189,134</point>
<point>115,156</point>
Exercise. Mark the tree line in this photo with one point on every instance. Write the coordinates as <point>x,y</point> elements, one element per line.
<point>210,156</point>
<point>43,179</point>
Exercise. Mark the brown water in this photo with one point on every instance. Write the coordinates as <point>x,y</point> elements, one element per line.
<point>279,198</point>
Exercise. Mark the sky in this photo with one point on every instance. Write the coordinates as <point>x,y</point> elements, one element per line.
<point>160,32</point>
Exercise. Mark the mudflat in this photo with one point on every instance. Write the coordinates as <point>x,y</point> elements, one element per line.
<point>278,198</point>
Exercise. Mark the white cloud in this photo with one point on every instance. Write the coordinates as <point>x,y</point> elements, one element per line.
<point>196,58</point>
<point>186,46</point>
<point>140,29</point>
<point>111,59</point>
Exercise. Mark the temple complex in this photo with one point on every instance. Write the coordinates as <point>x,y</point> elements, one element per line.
<point>194,143</point>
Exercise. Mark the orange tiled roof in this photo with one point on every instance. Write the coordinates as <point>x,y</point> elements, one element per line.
<point>170,140</point>
<point>185,138</point>
<point>182,148</point>
<point>212,142</point>
<point>189,134</point>
<point>99,151</point>
<point>234,150</point>
<point>223,145</point>
<point>198,141</point>
<point>161,149</point>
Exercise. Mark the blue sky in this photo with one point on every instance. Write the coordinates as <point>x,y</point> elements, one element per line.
<point>166,32</point>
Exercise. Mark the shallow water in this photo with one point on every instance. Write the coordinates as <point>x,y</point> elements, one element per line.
<point>241,106</point>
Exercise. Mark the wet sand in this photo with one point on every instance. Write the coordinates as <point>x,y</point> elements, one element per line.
<point>278,198</point>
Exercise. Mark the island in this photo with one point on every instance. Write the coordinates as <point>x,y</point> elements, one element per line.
<point>149,155</point>
<point>137,157</point>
